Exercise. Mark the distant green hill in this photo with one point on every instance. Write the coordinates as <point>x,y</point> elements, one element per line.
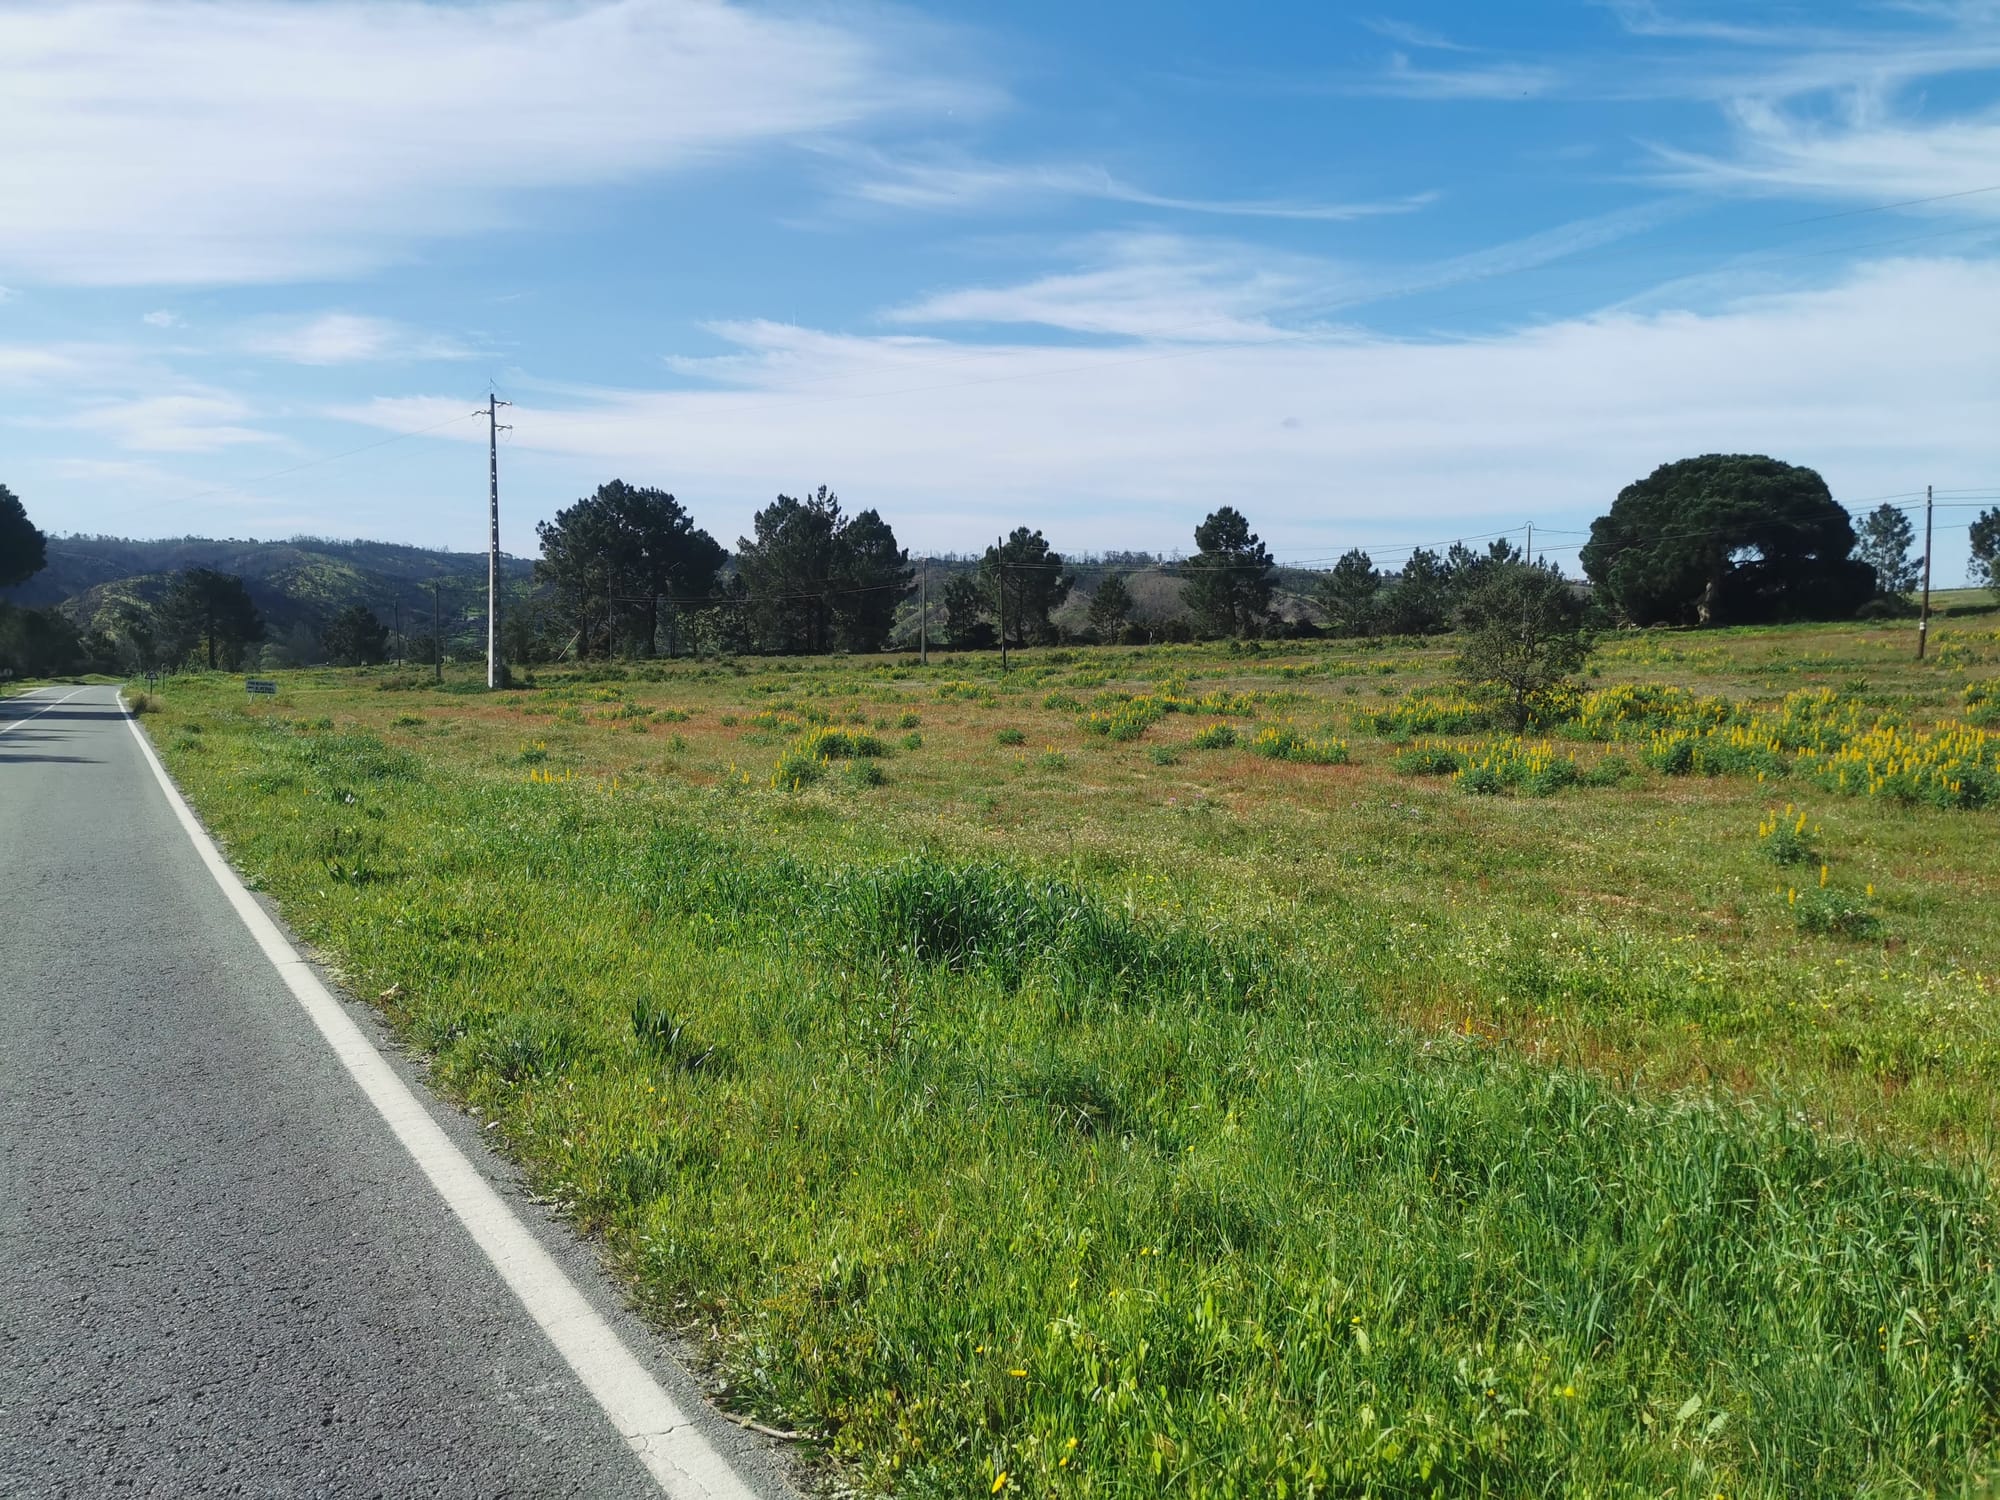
<point>298,585</point>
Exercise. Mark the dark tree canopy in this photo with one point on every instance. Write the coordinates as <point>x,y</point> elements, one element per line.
<point>1886,535</point>
<point>1523,636</point>
<point>1229,577</point>
<point>23,548</point>
<point>1025,578</point>
<point>1420,601</point>
<point>1725,539</point>
<point>622,560</point>
<point>819,580</point>
<point>355,638</point>
<point>967,610</point>
<point>1110,606</point>
<point>1349,594</point>
<point>1986,549</point>
<point>208,612</point>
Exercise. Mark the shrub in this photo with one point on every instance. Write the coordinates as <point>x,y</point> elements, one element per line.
<point>1535,769</point>
<point>908,721</point>
<point>1127,720</point>
<point>1430,760</point>
<point>1287,742</point>
<point>1786,840</point>
<point>142,703</point>
<point>1010,737</point>
<point>1982,702</point>
<point>864,773</point>
<point>1613,770</point>
<point>1216,737</point>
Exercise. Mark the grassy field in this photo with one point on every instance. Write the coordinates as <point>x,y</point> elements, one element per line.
<point>1219,1071</point>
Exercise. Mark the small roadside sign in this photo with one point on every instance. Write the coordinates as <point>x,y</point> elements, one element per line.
<point>259,685</point>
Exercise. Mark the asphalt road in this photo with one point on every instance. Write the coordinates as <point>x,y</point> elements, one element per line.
<point>220,1273</point>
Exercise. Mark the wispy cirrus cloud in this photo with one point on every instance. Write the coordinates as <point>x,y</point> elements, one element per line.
<point>338,338</point>
<point>202,421</point>
<point>1421,37</point>
<point>1161,286</point>
<point>1147,286</point>
<point>253,140</point>
<point>1402,78</point>
<point>952,183</point>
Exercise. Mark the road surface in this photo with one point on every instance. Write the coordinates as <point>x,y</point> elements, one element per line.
<point>220,1271</point>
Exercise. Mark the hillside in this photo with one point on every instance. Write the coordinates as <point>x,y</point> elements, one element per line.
<point>297,584</point>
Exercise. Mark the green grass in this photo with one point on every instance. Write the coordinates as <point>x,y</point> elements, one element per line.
<point>1242,1124</point>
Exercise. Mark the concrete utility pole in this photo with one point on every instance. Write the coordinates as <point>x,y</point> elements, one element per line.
<point>494,670</point>
<point>1531,542</point>
<point>1924,618</point>
<point>924,613</point>
<point>437,637</point>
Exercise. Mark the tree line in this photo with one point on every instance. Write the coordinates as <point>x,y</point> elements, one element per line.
<point>1718,539</point>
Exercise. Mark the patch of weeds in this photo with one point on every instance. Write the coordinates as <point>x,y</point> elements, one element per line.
<point>665,1038</point>
<point>862,774</point>
<point>1784,839</point>
<point>1833,913</point>
<point>909,721</point>
<point>1052,759</point>
<point>808,758</point>
<point>912,741</point>
<point>1006,924</point>
<point>1010,737</point>
<point>1612,771</point>
<point>1287,742</point>
<point>406,721</point>
<point>1164,755</point>
<point>1429,760</point>
<point>524,1046</point>
<point>1216,737</point>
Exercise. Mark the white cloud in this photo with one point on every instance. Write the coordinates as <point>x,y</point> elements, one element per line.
<point>1322,440</point>
<point>958,183</point>
<point>161,318</point>
<point>1403,79</point>
<point>336,338</point>
<point>191,422</point>
<point>1163,286</point>
<point>249,140</point>
<point>21,364</point>
<point>1144,286</point>
<point>1862,158</point>
<point>1414,36</point>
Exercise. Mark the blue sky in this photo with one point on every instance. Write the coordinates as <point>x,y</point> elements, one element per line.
<point>1374,274</point>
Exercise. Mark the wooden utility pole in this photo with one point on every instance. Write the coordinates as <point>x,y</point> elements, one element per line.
<point>494,670</point>
<point>1000,583</point>
<point>1924,617</point>
<point>924,613</point>
<point>437,637</point>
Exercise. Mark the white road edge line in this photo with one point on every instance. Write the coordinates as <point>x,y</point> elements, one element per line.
<point>17,723</point>
<point>685,1464</point>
